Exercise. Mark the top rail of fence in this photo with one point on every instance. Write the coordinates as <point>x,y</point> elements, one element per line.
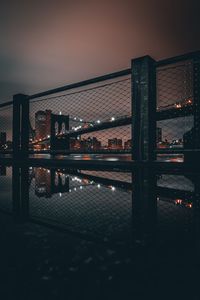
<point>177,59</point>
<point>82,83</point>
<point>6,104</point>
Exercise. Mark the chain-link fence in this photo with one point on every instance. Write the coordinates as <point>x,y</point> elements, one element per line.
<point>93,119</point>
<point>174,106</point>
<point>6,115</point>
<point>98,116</point>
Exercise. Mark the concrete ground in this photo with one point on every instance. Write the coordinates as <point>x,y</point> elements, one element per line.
<point>40,263</point>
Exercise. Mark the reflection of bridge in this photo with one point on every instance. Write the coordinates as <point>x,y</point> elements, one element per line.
<point>121,121</point>
<point>57,182</point>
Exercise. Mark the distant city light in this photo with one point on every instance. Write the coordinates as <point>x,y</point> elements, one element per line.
<point>98,121</point>
<point>112,119</point>
<point>98,185</point>
<point>60,113</point>
<point>60,194</point>
<point>113,188</point>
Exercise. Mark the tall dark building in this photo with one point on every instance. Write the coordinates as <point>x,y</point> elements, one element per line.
<point>128,145</point>
<point>42,124</point>
<point>42,182</point>
<point>2,138</point>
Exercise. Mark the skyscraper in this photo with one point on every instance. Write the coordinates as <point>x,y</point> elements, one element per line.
<point>42,124</point>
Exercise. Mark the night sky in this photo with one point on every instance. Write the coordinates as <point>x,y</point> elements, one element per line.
<point>45,44</point>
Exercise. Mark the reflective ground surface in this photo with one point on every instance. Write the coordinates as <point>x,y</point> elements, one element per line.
<point>69,233</point>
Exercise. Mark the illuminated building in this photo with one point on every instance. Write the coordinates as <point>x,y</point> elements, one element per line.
<point>115,144</point>
<point>90,144</point>
<point>42,124</point>
<point>128,145</point>
<point>75,144</point>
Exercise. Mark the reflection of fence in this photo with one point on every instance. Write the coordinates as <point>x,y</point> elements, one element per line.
<point>115,205</point>
<point>113,114</point>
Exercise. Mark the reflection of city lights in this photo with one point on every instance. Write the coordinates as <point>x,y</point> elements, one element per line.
<point>81,120</point>
<point>60,113</point>
<point>178,201</point>
<point>98,121</point>
<point>60,194</point>
<point>98,185</point>
<point>112,119</point>
<point>189,205</point>
<point>70,191</point>
<point>48,136</point>
<point>81,187</point>
<point>178,105</point>
<point>113,188</point>
<point>74,189</point>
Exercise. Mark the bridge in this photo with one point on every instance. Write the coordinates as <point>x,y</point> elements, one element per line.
<point>181,108</point>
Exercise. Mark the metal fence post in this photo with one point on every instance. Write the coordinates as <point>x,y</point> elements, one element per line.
<point>196,100</point>
<point>20,125</point>
<point>16,125</point>
<point>25,126</point>
<point>143,109</point>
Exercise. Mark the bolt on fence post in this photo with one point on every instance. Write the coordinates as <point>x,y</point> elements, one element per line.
<point>143,109</point>
<point>20,126</point>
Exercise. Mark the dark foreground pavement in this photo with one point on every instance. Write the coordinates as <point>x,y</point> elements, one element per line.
<point>40,263</point>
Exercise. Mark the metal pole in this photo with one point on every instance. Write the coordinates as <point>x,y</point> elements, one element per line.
<point>16,125</point>
<point>24,126</point>
<point>20,126</point>
<point>143,109</point>
<point>196,100</point>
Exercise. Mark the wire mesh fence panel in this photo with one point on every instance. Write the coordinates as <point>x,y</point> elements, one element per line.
<point>77,202</point>
<point>6,204</point>
<point>175,202</point>
<point>93,119</point>
<point>118,176</point>
<point>6,128</point>
<point>174,104</point>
